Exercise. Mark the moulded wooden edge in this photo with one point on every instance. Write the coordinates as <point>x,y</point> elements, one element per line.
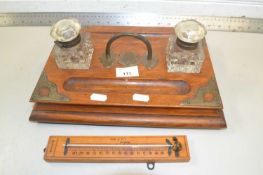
<point>140,120</point>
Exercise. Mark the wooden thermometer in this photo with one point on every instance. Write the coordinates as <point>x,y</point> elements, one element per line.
<point>148,149</point>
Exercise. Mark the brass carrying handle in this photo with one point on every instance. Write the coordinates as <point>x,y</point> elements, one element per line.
<point>134,35</point>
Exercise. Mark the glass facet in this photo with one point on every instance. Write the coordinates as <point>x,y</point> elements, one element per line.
<point>181,60</point>
<point>76,57</point>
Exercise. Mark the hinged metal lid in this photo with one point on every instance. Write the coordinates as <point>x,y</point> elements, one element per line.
<point>190,31</point>
<point>65,30</point>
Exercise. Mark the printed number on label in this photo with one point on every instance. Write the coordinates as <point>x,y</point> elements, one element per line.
<point>127,72</point>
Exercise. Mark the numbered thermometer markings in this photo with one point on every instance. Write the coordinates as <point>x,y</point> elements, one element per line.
<point>120,150</point>
<point>116,152</point>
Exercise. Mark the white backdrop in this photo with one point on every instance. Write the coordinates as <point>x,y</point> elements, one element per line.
<point>237,60</point>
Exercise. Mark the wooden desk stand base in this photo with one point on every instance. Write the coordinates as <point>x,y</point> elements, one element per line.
<point>181,100</point>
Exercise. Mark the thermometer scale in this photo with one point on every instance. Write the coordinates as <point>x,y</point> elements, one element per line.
<point>136,149</point>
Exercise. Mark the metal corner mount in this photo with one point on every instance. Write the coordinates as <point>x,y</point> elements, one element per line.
<point>46,91</point>
<point>207,95</point>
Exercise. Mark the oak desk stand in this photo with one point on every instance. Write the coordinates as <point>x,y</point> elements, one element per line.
<point>177,100</point>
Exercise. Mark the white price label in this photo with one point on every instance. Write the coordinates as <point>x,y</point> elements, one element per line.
<point>127,72</point>
<point>98,97</point>
<point>140,97</point>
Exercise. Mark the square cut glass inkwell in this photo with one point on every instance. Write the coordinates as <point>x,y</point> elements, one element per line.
<point>72,50</point>
<point>185,52</point>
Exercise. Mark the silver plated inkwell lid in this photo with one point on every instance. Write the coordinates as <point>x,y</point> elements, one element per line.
<point>66,31</point>
<point>189,33</point>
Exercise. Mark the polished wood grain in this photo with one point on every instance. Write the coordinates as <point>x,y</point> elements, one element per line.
<point>177,100</point>
<point>164,88</point>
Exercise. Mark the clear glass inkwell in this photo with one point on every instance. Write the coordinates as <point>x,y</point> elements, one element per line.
<point>185,51</point>
<point>72,50</point>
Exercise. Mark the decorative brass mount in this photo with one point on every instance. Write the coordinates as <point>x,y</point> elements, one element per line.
<point>47,91</point>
